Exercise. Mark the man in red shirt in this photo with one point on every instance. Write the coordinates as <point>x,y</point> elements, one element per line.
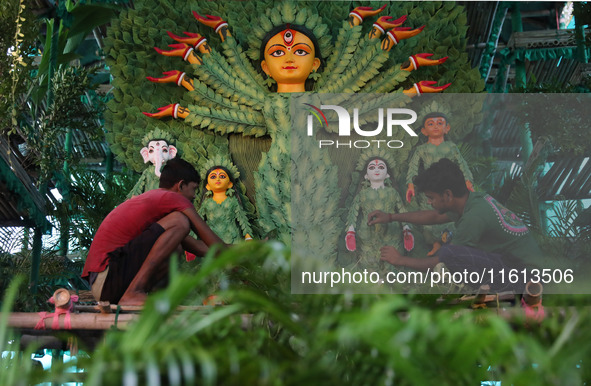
<point>131,248</point>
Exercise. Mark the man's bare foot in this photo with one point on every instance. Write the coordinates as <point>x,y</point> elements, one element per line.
<point>133,299</point>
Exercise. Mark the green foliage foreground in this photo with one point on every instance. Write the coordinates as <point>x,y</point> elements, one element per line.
<point>314,339</point>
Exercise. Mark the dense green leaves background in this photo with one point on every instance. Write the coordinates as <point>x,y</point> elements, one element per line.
<point>264,335</point>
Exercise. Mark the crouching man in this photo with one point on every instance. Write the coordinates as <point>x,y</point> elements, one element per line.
<point>488,238</point>
<point>130,251</point>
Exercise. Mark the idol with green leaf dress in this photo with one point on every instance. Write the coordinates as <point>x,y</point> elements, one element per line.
<point>375,193</point>
<point>221,207</point>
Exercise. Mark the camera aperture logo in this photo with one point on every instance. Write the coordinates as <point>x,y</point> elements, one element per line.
<point>387,119</point>
<point>317,113</point>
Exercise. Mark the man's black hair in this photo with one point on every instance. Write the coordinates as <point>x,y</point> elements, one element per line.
<point>435,114</point>
<point>298,28</point>
<point>440,176</point>
<point>177,169</point>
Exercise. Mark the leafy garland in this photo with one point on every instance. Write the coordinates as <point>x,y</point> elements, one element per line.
<point>218,160</point>
<point>158,134</point>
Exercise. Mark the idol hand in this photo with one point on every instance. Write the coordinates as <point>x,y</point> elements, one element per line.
<point>421,60</point>
<point>357,15</point>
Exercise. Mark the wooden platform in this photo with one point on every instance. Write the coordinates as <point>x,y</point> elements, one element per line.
<point>88,321</point>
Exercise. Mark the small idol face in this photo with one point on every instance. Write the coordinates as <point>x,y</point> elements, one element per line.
<point>159,147</point>
<point>435,127</point>
<point>290,58</point>
<point>218,181</point>
<point>377,171</point>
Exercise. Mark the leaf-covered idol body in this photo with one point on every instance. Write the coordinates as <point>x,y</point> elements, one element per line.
<point>373,195</point>
<point>222,207</point>
<point>223,76</point>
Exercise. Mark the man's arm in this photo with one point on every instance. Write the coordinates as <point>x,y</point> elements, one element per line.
<point>201,228</point>
<point>194,246</point>
<point>421,217</point>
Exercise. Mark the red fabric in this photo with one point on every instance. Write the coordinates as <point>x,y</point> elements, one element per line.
<point>190,256</point>
<point>127,221</point>
<point>55,325</point>
<point>534,312</point>
<point>409,240</point>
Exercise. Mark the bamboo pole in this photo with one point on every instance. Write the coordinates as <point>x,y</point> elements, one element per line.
<point>533,294</point>
<point>87,321</point>
<point>90,321</point>
<point>106,308</point>
<point>517,314</point>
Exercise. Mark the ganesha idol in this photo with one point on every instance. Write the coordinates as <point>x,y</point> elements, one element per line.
<point>158,151</point>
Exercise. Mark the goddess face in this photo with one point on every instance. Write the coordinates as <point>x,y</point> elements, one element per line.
<point>289,59</point>
<point>218,181</point>
<point>435,127</point>
<point>377,171</point>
